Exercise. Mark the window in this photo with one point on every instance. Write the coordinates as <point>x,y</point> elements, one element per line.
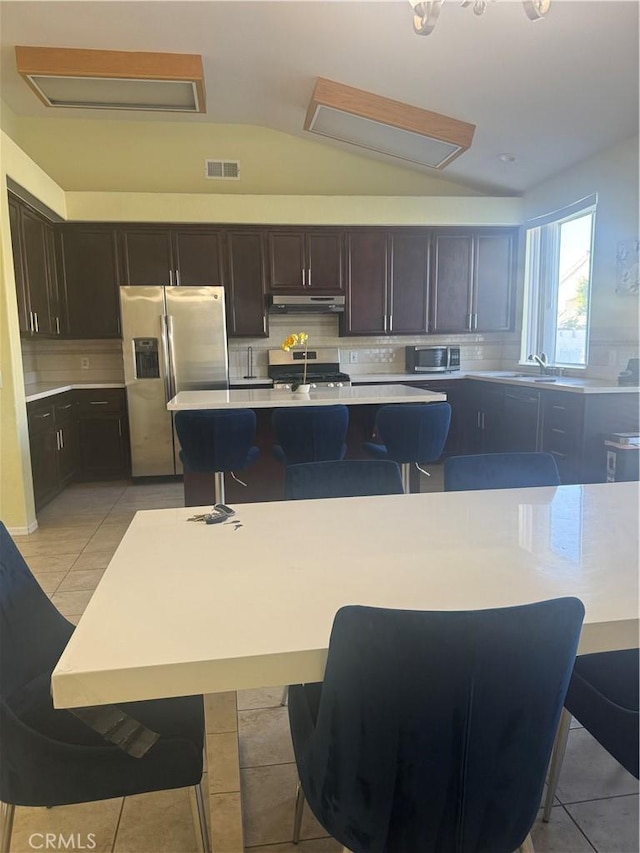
<point>558,285</point>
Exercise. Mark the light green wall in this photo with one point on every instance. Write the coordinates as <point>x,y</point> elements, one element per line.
<point>613,175</point>
<point>168,157</point>
<point>8,120</point>
<point>16,490</point>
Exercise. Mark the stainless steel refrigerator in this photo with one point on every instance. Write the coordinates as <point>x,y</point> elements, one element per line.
<point>173,339</point>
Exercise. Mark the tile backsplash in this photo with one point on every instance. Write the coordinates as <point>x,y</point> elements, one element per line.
<point>61,361</point>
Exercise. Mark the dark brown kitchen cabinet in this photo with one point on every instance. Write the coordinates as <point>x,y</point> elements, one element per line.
<point>408,310</point>
<point>90,277</point>
<point>484,417</point>
<point>246,267</point>
<point>184,256</point>
<point>54,446</point>
<point>454,390</point>
<point>366,279</point>
<point>32,238</point>
<point>303,261</point>
<point>522,419</point>
<point>104,437</point>
<point>473,280</point>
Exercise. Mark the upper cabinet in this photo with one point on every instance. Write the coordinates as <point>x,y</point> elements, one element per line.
<point>89,272</point>
<point>246,267</point>
<point>387,282</point>
<point>32,239</point>
<point>472,280</point>
<point>182,256</point>
<point>303,260</point>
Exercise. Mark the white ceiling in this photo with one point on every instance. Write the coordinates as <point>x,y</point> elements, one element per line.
<point>551,92</point>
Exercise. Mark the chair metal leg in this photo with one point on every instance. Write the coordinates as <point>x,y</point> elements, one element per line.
<point>527,845</point>
<point>8,812</point>
<point>557,756</point>
<point>285,696</point>
<point>297,819</point>
<point>406,469</point>
<point>202,818</point>
<point>218,486</point>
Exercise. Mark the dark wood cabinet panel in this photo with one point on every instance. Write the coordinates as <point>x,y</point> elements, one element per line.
<point>68,442</point>
<point>197,258</point>
<point>146,257</point>
<point>90,278</point>
<point>494,282</point>
<point>324,261</point>
<point>104,441</point>
<point>245,303</point>
<point>37,271</point>
<point>287,261</point>
<point>366,309</point>
<point>22,291</point>
<point>53,443</point>
<point>451,281</point>
<point>304,261</point>
<point>484,417</point>
<point>57,303</point>
<point>521,431</point>
<point>408,283</point>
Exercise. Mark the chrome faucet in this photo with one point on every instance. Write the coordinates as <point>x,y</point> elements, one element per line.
<point>541,361</point>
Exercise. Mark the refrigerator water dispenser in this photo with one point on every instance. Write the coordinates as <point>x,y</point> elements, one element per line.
<point>146,355</point>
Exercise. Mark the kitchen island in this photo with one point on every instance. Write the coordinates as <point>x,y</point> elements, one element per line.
<point>271,398</point>
<point>265,479</point>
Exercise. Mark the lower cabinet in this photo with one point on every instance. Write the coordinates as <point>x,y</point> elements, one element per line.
<point>104,437</point>
<point>77,435</point>
<point>483,413</point>
<point>53,441</point>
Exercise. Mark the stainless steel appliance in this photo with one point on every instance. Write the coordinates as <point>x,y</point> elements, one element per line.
<point>432,359</point>
<point>173,339</point>
<point>307,304</point>
<point>323,368</point>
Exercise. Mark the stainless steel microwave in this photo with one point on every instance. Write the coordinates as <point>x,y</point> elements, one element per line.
<point>432,359</point>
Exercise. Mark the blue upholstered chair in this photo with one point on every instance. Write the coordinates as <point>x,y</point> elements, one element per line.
<point>499,471</point>
<point>603,697</point>
<point>411,433</point>
<point>216,441</point>
<point>344,479</point>
<point>310,433</point>
<point>432,731</point>
<point>49,757</point>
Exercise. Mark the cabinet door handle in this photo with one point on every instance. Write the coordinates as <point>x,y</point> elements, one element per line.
<point>469,322</point>
<point>309,277</point>
<point>119,427</point>
<point>475,322</point>
<point>57,325</point>
<point>559,408</point>
<point>478,419</point>
<point>391,322</point>
<point>46,415</point>
<point>170,278</point>
<point>482,420</point>
<point>35,314</point>
<point>303,275</point>
<point>31,326</point>
<point>264,324</point>
<point>177,278</point>
<point>98,402</point>
<point>560,431</point>
<point>61,440</point>
<point>57,439</point>
<point>384,326</point>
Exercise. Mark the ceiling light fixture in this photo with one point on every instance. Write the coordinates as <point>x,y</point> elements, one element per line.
<point>389,127</point>
<point>426,12</point>
<point>113,79</point>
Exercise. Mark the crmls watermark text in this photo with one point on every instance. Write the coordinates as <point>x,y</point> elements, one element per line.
<point>59,841</point>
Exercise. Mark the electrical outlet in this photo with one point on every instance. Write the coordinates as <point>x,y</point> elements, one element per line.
<point>353,356</point>
<point>84,363</point>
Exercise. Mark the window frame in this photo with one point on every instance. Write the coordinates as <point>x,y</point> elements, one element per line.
<point>542,281</point>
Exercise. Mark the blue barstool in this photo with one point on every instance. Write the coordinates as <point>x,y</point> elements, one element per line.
<point>411,432</point>
<point>345,478</point>
<point>499,471</point>
<point>310,433</point>
<point>215,441</point>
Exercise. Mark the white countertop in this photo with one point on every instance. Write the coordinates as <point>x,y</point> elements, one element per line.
<point>257,380</point>
<point>40,390</point>
<point>363,378</point>
<point>185,608</point>
<point>268,398</point>
<point>559,383</point>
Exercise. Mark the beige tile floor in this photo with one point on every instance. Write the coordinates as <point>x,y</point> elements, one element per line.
<point>597,808</point>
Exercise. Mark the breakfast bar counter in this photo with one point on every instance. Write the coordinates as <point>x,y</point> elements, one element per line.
<point>270,398</point>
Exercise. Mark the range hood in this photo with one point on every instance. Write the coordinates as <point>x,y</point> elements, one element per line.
<point>306,305</point>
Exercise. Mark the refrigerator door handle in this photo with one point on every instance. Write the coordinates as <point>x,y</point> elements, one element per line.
<point>172,355</point>
<point>165,357</point>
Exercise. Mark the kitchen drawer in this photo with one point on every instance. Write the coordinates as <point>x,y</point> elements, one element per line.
<point>563,411</point>
<point>100,401</point>
<point>40,414</point>
<point>63,405</point>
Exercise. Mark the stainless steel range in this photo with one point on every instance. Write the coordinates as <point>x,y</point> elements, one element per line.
<point>323,368</point>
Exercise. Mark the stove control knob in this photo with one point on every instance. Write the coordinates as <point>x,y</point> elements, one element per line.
<point>312,385</point>
<point>330,385</point>
<point>339,384</point>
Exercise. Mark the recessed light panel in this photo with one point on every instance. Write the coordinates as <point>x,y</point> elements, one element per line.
<point>115,80</point>
<point>387,126</point>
